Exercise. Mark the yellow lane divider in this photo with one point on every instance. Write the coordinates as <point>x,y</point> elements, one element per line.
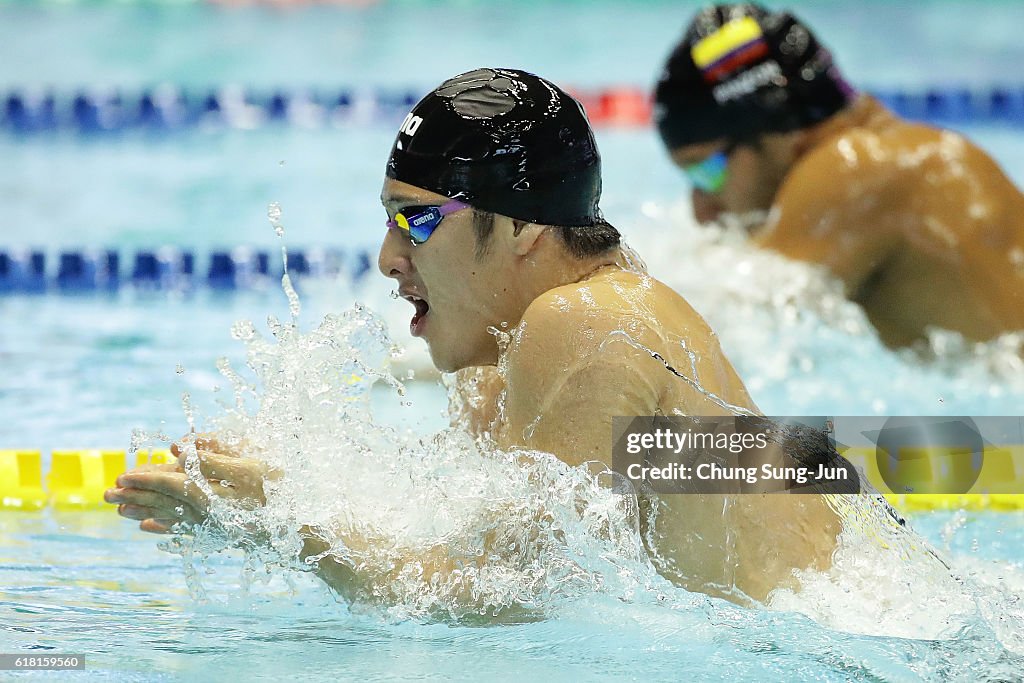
<point>997,486</point>
<point>21,480</point>
<point>76,480</point>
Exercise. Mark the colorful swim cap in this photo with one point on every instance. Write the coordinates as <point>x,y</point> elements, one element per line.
<point>504,141</point>
<point>741,70</point>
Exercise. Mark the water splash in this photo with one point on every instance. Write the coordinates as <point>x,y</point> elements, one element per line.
<point>274,215</point>
<point>515,534</point>
<point>302,407</point>
<point>515,531</point>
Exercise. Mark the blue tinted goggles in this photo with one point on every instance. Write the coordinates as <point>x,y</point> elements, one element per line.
<point>710,174</point>
<point>421,221</point>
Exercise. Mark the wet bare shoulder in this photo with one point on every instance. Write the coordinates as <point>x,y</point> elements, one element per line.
<point>841,205</point>
<point>894,156</point>
<point>582,314</point>
<point>860,159</point>
<point>573,363</point>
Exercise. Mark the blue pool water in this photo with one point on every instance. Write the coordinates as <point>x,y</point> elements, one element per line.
<point>84,371</point>
<point>124,603</point>
<point>112,358</point>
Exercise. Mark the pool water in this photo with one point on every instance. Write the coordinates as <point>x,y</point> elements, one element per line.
<point>124,603</point>
<point>84,371</point>
<point>111,359</point>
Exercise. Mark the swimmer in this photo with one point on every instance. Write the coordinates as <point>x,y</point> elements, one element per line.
<point>922,227</point>
<point>492,195</point>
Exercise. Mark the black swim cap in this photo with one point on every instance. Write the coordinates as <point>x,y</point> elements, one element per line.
<point>504,141</point>
<point>741,70</point>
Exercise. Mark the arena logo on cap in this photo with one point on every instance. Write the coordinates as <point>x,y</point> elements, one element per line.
<point>736,44</point>
<point>411,124</point>
<point>748,82</point>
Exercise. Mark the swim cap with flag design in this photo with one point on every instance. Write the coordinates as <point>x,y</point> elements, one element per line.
<point>504,141</point>
<point>741,70</point>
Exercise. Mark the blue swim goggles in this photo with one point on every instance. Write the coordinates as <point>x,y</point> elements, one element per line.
<point>421,221</point>
<point>710,174</point>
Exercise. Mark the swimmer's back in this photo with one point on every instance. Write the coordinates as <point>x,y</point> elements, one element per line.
<point>922,226</point>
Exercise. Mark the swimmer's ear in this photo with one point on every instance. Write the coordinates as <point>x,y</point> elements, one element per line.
<point>525,236</point>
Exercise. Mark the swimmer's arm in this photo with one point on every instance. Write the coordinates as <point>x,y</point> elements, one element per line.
<point>161,496</point>
<point>576,422</point>
<point>436,565</point>
<point>351,585</point>
<point>565,385</point>
<point>341,578</point>
<point>570,372</point>
<point>840,208</point>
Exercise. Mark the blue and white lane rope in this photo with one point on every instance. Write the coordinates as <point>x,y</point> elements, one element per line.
<point>27,271</point>
<point>168,108</point>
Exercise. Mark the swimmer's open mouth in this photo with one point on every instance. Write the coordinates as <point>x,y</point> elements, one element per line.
<point>422,307</point>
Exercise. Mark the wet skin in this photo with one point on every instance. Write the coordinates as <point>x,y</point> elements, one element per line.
<point>579,356</point>
<point>582,336</point>
<point>923,228</point>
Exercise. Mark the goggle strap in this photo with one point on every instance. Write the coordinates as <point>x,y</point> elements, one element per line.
<point>451,207</point>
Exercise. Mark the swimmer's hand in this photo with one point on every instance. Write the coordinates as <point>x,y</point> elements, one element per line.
<point>160,496</point>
